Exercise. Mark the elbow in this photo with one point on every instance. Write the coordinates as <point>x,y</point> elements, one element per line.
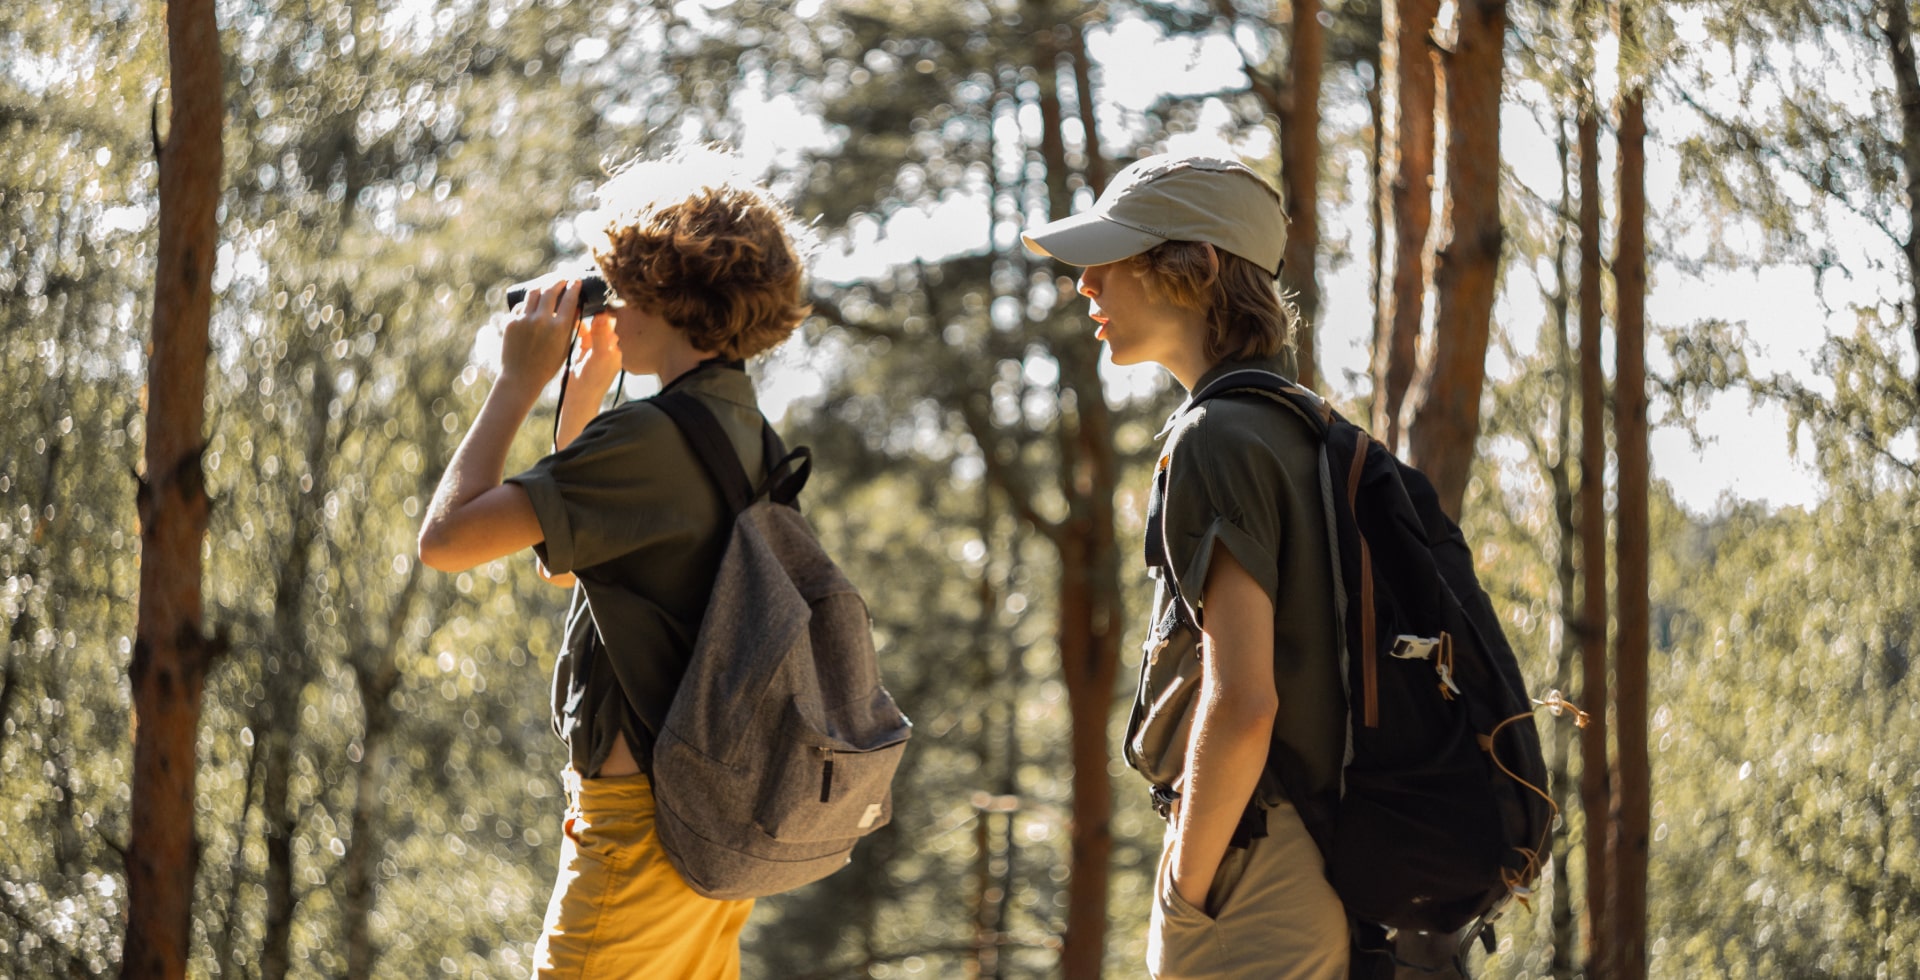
<point>436,552</point>
<point>1246,708</point>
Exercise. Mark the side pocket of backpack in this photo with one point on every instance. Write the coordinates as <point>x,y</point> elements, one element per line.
<point>826,787</point>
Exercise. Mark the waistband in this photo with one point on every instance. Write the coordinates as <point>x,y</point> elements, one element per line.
<point>607,790</point>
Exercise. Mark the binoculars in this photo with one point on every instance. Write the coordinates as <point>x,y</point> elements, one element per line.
<point>594,294</point>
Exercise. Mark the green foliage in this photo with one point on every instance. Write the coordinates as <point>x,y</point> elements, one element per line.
<point>388,169</point>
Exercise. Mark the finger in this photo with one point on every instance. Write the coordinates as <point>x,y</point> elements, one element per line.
<point>568,306</point>
<point>548,298</point>
<point>528,301</point>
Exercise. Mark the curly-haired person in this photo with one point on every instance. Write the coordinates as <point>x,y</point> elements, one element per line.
<point>704,274</point>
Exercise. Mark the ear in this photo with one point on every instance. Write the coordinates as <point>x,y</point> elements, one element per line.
<point>1213,263</point>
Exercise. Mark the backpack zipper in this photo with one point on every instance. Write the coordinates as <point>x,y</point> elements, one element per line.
<point>826,775</point>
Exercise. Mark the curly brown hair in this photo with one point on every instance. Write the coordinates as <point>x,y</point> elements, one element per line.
<point>1247,317</point>
<point>716,262</point>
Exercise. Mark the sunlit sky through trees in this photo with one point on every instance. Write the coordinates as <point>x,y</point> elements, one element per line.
<point>1743,449</point>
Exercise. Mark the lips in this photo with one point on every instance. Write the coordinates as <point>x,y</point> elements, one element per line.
<point>1100,332</point>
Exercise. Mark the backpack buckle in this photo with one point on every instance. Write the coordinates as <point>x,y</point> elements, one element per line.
<point>1163,799</point>
<point>1406,647</point>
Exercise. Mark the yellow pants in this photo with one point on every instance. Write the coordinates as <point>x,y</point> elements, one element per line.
<point>619,909</point>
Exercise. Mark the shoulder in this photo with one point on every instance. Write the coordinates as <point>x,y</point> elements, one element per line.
<point>636,420</point>
<point>618,443</point>
<point>1238,426</point>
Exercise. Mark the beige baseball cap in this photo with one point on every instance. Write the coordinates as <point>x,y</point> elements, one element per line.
<point>1173,198</point>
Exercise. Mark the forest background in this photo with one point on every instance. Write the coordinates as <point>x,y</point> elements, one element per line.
<point>374,784</point>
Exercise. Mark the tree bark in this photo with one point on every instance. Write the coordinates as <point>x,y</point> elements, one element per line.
<point>1446,423</point>
<point>1633,793</point>
<point>277,924</point>
<point>1906,79</point>
<point>376,683</point>
<point>1596,795</point>
<point>376,673</point>
<point>1089,630</point>
<point>1089,653</point>
<point>286,685</point>
<point>172,652</point>
<point>1566,573</point>
<point>1406,75</point>
<point>1377,216</point>
<point>1300,176</point>
<point>1096,172</point>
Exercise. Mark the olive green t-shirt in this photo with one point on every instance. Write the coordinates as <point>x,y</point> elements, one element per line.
<point>628,508</point>
<point>1242,473</point>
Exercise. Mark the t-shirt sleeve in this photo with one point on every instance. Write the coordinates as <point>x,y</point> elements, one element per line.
<point>607,493</point>
<point>1225,488</point>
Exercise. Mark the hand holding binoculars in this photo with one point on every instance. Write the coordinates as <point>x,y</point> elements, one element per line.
<point>594,294</point>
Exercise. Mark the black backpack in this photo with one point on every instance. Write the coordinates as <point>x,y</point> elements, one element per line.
<point>1442,815</point>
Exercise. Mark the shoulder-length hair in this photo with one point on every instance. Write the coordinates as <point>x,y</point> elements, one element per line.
<point>1247,317</point>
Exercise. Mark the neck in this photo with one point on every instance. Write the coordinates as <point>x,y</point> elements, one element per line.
<point>1188,361</point>
<point>679,360</point>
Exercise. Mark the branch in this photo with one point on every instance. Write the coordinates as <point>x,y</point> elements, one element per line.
<point>831,311</point>
<point>1007,477</point>
<point>76,967</point>
<point>1753,143</point>
<point>1269,88</point>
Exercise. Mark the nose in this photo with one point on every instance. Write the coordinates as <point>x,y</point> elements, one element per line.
<point>1089,283</point>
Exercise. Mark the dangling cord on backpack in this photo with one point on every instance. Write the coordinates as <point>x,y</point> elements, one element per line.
<point>1516,881</point>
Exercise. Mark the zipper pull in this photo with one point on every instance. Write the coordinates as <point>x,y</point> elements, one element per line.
<point>826,776</point>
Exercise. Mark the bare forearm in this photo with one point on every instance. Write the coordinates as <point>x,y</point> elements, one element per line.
<point>1232,724</point>
<point>584,397</point>
<point>1231,733</point>
<point>481,460</point>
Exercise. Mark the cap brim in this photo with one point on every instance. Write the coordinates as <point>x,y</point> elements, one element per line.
<point>1089,238</point>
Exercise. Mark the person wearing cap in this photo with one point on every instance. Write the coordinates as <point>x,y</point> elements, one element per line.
<point>1180,257</point>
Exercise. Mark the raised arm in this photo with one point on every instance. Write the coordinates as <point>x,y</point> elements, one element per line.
<point>592,374</point>
<point>474,519</point>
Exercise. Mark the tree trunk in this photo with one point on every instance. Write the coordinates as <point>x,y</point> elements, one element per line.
<point>1632,796</point>
<point>1300,174</point>
<point>277,926</point>
<point>1446,423</point>
<point>1899,33</point>
<point>356,904</point>
<point>376,674</point>
<point>1377,216</point>
<point>1596,795</point>
<point>1089,119</point>
<point>286,685</point>
<point>1567,534</point>
<point>1406,74</point>
<point>230,920</point>
<point>172,652</point>
<point>1089,631</point>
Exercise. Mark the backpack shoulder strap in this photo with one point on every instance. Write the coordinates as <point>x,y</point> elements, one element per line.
<point>710,444</point>
<point>1311,408</point>
<point>787,472</point>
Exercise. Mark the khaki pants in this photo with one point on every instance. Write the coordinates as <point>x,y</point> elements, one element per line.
<point>1274,915</point>
<point>619,909</point>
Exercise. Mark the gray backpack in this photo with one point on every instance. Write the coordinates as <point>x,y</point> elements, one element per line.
<point>778,752</point>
